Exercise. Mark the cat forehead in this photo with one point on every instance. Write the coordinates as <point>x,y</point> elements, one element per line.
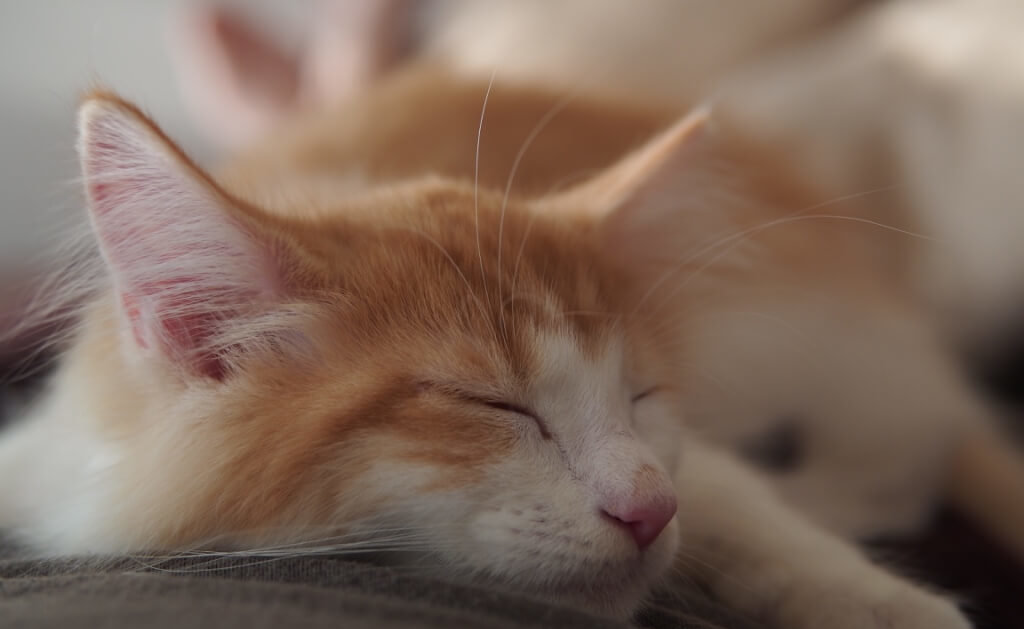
<point>470,281</point>
<point>436,248</point>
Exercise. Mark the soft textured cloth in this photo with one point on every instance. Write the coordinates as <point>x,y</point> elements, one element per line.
<point>253,592</point>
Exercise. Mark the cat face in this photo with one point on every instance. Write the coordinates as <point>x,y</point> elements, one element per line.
<point>430,371</point>
<point>510,427</point>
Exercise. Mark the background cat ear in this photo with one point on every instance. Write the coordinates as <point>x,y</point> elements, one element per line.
<point>239,80</point>
<point>354,42</point>
<point>184,260</point>
<point>236,80</point>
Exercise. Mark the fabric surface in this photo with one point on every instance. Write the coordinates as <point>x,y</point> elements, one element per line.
<point>232,591</point>
<point>253,593</point>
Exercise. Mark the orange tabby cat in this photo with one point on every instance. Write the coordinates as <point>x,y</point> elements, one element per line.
<point>430,328</point>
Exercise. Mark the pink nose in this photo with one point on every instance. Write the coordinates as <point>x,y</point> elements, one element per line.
<point>644,520</point>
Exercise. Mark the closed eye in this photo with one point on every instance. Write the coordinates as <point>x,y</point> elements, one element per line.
<point>509,407</point>
<point>502,406</point>
<point>645,394</point>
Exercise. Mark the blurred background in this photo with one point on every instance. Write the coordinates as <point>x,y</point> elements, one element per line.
<point>925,97</point>
<point>51,51</point>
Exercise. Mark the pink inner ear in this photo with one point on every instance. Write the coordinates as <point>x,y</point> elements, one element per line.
<point>183,267</point>
<point>184,337</point>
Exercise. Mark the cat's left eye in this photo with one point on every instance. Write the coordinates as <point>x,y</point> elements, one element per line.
<point>509,407</point>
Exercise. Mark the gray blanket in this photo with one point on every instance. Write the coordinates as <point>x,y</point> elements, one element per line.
<point>235,592</point>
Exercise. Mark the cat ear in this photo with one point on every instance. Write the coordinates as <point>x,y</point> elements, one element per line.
<point>239,81</point>
<point>660,200</point>
<point>353,43</point>
<point>184,260</point>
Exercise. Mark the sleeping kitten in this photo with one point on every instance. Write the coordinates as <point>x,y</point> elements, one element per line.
<point>388,324</point>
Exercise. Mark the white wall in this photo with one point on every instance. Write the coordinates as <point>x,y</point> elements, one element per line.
<point>50,52</point>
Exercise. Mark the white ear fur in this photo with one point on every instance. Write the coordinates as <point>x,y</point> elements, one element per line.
<point>181,260</point>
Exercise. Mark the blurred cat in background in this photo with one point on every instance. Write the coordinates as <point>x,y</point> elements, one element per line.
<point>853,406</point>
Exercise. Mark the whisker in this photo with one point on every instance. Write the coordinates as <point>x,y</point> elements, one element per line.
<point>867,221</point>
<point>366,530</point>
<point>364,538</point>
<point>848,197</point>
<point>589,313</point>
<point>476,180</point>
<point>719,572</point>
<point>261,556</point>
<point>210,566</point>
<point>440,247</point>
<point>519,259</point>
<point>531,136</point>
<point>735,239</point>
<point>800,214</point>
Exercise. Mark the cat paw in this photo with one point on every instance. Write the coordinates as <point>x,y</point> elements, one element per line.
<point>905,607</point>
<point>912,608</point>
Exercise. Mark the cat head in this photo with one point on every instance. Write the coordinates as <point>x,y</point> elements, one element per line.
<point>430,369</point>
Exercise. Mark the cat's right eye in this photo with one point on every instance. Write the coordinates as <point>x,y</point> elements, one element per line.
<point>646,393</point>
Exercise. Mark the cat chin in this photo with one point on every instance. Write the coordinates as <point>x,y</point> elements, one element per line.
<point>608,588</point>
<point>617,597</point>
<point>612,590</point>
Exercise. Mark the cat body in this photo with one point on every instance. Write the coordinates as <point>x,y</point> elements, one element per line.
<point>393,325</point>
